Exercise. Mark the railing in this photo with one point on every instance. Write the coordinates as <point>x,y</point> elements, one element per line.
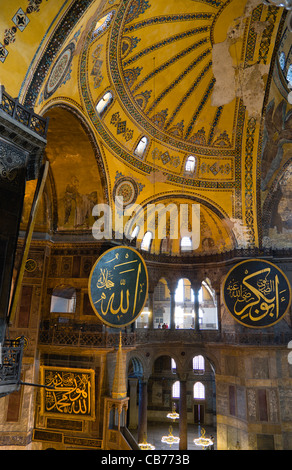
<point>24,116</point>
<point>10,365</point>
<point>81,339</point>
<point>130,438</point>
<point>225,256</point>
<point>69,337</point>
<point>191,336</point>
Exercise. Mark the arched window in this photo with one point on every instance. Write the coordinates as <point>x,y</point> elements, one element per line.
<point>199,391</point>
<point>190,165</point>
<point>176,389</point>
<point>135,232</point>
<point>141,147</point>
<point>63,300</point>
<point>173,366</point>
<point>184,304</point>
<point>186,244</point>
<point>104,103</point>
<point>199,364</point>
<point>146,242</point>
<point>289,74</point>
<point>282,60</point>
<point>102,24</point>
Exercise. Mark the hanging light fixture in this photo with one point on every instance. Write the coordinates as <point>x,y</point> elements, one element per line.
<point>146,445</point>
<point>173,415</point>
<point>170,439</point>
<point>202,440</point>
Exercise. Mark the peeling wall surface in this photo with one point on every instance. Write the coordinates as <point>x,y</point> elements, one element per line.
<point>234,78</point>
<point>193,86</point>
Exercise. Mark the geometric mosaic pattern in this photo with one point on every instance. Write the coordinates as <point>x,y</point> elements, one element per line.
<point>20,21</point>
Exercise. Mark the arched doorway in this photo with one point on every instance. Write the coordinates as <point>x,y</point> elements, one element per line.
<point>77,171</point>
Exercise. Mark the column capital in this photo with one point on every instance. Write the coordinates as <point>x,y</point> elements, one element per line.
<point>183,376</point>
<point>196,285</point>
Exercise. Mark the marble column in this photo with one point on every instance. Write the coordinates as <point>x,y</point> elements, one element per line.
<point>142,421</point>
<point>133,415</point>
<point>196,289</point>
<point>183,423</point>
<point>151,310</point>
<point>218,301</point>
<point>172,309</point>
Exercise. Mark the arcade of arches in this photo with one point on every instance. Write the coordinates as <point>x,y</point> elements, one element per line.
<point>184,104</point>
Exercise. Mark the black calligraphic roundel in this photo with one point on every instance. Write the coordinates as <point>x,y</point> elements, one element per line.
<point>257,293</point>
<point>118,286</point>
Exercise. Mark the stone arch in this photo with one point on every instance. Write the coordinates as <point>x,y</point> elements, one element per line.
<point>135,366</point>
<point>73,190</point>
<point>208,356</point>
<point>217,236</point>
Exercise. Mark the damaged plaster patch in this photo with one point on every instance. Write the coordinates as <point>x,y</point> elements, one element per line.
<point>224,73</point>
<point>250,6</point>
<point>250,86</point>
<point>241,232</point>
<point>235,80</point>
<point>157,176</point>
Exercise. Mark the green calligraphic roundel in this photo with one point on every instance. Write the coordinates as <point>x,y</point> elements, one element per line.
<point>257,293</point>
<point>118,286</point>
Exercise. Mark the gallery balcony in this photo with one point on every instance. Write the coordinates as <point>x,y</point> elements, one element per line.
<point>80,337</point>
<point>11,355</point>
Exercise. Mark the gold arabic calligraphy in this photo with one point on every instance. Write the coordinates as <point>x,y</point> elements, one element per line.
<point>71,393</point>
<point>105,283</point>
<point>257,299</point>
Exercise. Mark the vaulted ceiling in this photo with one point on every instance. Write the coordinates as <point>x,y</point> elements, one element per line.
<point>186,78</point>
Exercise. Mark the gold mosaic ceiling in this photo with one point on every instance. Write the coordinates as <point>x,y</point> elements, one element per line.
<point>190,76</point>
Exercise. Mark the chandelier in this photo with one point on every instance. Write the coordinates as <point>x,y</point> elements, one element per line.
<point>146,445</point>
<point>203,441</point>
<point>173,415</point>
<point>170,439</point>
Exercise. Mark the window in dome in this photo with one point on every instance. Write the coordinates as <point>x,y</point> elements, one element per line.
<point>282,60</point>
<point>141,147</point>
<point>186,244</point>
<point>289,74</point>
<point>104,103</point>
<point>146,242</point>
<point>102,24</point>
<point>135,232</point>
<point>190,165</point>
